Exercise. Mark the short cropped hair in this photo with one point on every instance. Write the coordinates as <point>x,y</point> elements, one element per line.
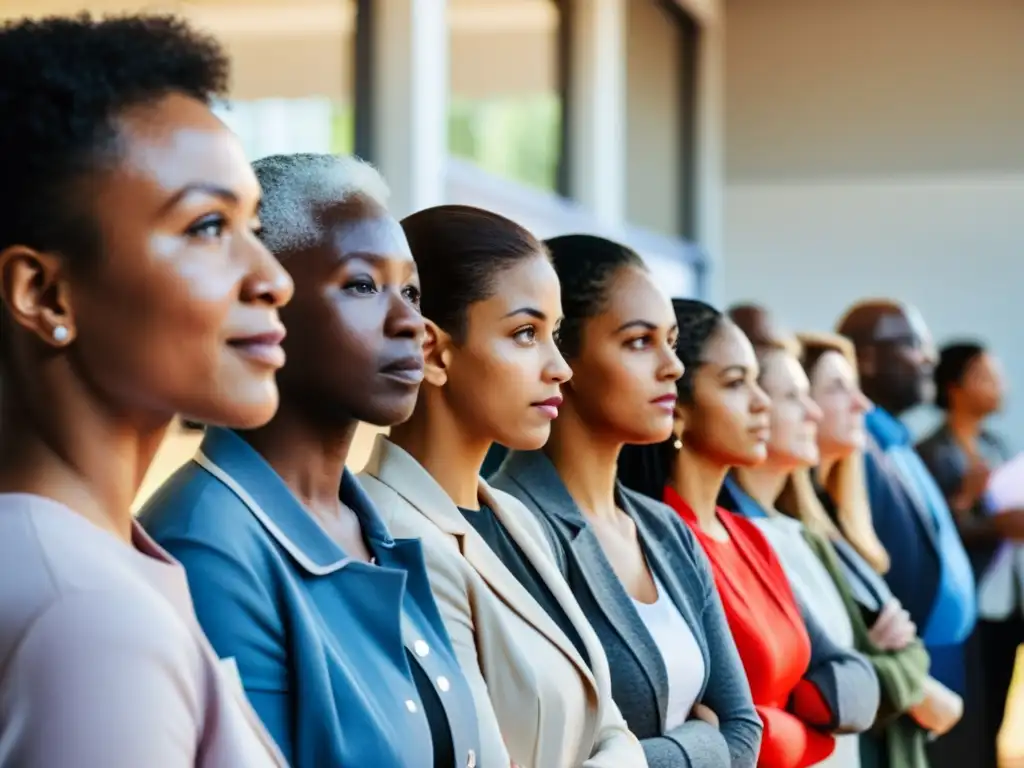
<point>64,81</point>
<point>297,186</point>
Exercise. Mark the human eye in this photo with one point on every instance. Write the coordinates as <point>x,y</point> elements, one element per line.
<point>412,294</point>
<point>639,342</point>
<point>525,335</point>
<point>209,227</point>
<point>361,285</point>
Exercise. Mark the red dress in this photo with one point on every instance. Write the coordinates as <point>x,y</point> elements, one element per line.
<point>771,637</point>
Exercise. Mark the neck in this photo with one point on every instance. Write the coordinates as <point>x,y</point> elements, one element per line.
<point>964,426</point>
<point>698,479</point>
<point>586,463</point>
<point>763,483</point>
<point>62,443</point>
<point>444,448</point>
<point>824,469</point>
<point>307,452</point>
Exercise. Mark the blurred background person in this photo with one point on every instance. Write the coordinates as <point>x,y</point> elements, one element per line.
<point>961,454</point>
<point>932,577</point>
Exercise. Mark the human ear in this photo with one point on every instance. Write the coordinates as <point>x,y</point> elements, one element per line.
<point>37,295</point>
<point>437,354</point>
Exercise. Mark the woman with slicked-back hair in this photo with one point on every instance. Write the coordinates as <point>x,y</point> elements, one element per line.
<point>133,288</point>
<point>804,686</point>
<point>636,569</point>
<point>493,373</point>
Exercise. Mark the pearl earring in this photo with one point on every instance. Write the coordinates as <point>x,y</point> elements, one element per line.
<point>60,334</point>
<point>677,444</point>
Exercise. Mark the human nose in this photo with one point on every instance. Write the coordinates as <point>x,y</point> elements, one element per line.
<point>267,282</point>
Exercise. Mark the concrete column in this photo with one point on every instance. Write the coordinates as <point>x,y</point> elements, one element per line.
<point>598,109</point>
<point>710,176</point>
<point>409,99</point>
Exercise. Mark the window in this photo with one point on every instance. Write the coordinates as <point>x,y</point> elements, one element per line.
<point>505,111</point>
<point>661,54</point>
<point>292,67</point>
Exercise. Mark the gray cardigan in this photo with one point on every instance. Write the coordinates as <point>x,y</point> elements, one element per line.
<point>639,679</point>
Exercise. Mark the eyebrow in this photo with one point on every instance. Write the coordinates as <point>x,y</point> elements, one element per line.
<point>645,324</point>
<point>213,190</point>
<point>531,311</point>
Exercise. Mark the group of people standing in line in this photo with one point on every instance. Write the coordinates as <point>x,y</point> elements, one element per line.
<point>592,603</point>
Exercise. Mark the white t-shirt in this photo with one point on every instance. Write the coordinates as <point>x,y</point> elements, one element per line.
<point>683,659</point>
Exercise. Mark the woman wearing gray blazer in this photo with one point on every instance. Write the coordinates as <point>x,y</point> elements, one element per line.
<point>633,565</point>
<point>640,684</point>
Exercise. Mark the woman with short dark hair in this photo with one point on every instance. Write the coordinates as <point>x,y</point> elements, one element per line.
<point>493,373</point>
<point>133,288</point>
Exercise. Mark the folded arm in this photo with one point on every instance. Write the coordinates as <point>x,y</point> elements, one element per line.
<point>840,690</point>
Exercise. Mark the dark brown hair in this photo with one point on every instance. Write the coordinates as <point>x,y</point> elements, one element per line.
<point>460,251</point>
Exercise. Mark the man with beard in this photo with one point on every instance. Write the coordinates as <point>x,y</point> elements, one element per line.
<point>930,574</point>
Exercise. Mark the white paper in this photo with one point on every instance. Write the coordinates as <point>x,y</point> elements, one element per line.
<point>1005,488</point>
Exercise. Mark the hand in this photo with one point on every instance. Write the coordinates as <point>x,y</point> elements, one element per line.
<point>705,713</point>
<point>940,709</point>
<point>893,629</point>
<point>973,484</point>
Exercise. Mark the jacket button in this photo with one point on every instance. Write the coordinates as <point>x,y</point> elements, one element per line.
<point>471,759</point>
<point>421,648</point>
<point>411,706</point>
<point>443,684</point>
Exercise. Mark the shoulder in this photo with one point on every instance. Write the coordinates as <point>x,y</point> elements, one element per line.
<point>194,505</point>
<point>132,622</point>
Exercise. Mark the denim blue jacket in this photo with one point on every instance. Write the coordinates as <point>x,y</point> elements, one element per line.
<point>322,642</point>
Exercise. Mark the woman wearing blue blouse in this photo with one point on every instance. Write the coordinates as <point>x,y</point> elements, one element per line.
<point>327,620</point>
<point>641,578</point>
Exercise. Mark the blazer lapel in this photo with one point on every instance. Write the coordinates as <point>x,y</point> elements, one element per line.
<point>677,574</point>
<point>534,473</point>
<point>396,469</point>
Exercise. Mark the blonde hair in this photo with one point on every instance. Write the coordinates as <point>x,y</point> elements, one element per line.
<point>846,483</point>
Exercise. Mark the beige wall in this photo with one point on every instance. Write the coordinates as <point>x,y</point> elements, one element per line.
<point>876,148</point>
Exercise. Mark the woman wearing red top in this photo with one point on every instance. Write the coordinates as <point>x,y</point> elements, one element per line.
<point>805,687</point>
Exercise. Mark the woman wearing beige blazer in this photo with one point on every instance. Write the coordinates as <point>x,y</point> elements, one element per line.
<point>538,672</point>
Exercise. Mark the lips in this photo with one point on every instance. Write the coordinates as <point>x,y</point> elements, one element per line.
<point>550,406</point>
<point>406,370</point>
<point>263,349</point>
<point>666,402</point>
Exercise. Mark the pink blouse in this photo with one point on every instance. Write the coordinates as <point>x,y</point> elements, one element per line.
<point>102,662</point>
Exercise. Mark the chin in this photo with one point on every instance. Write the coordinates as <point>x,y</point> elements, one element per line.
<point>240,412</point>
<point>528,439</point>
<point>388,413</point>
